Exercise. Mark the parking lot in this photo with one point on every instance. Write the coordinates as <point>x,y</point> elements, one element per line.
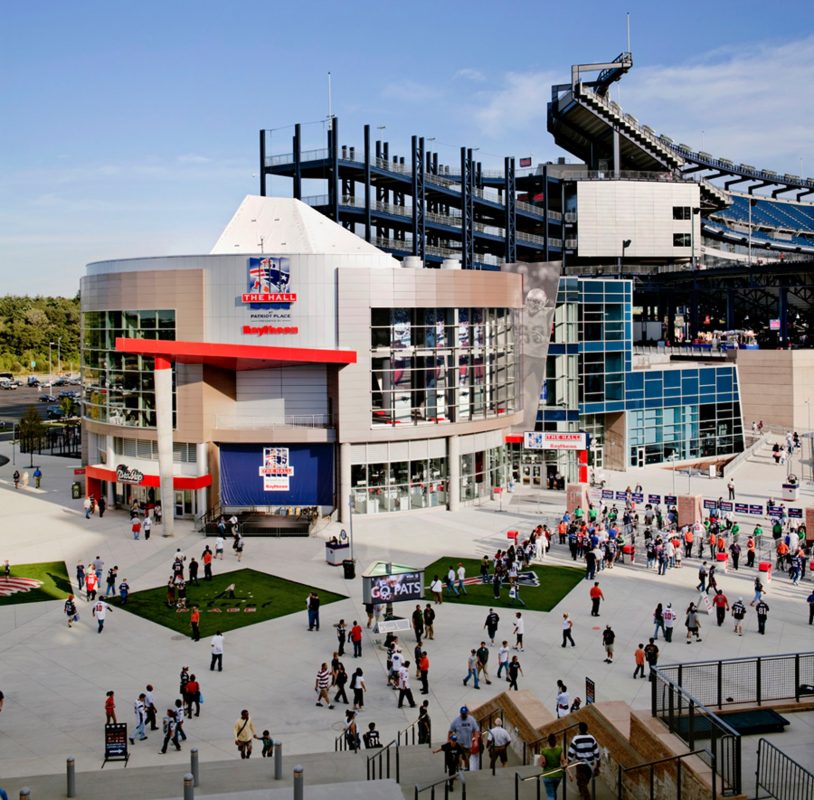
<point>14,402</point>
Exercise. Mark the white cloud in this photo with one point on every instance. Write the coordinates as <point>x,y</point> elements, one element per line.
<point>408,91</point>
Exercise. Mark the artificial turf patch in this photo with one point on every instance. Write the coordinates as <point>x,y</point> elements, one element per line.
<point>554,583</point>
<point>33,583</point>
<point>258,597</point>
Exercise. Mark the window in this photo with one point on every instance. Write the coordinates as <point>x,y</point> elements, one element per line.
<point>682,240</point>
<point>681,212</point>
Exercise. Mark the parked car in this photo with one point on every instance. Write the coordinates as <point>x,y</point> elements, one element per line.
<point>55,412</point>
<point>8,384</point>
<point>47,398</point>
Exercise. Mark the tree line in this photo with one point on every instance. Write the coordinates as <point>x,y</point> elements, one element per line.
<point>28,324</point>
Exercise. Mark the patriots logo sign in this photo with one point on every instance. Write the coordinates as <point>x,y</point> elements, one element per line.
<point>267,283</point>
<point>10,586</point>
<point>276,469</point>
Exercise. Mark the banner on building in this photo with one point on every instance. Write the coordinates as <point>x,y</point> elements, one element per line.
<point>276,469</point>
<point>541,280</point>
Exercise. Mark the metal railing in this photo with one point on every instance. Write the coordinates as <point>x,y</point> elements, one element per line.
<point>689,719</point>
<point>446,783</point>
<point>292,420</point>
<point>779,776</point>
<point>656,786</point>
<point>410,736</point>
<point>378,764</point>
<point>562,788</point>
<point>755,680</point>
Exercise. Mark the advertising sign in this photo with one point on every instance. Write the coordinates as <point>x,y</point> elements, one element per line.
<point>637,497</point>
<point>276,469</point>
<point>741,508</point>
<point>796,513</point>
<point>670,499</point>
<point>393,588</point>
<point>590,691</point>
<point>125,474</point>
<point>755,509</point>
<point>654,498</point>
<point>725,505</point>
<point>607,494</point>
<point>268,295</point>
<point>116,743</point>
<point>551,440</point>
<point>710,504</point>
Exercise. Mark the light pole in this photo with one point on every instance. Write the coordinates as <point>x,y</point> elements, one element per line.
<point>50,370</point>
<point>59,355</point>
<point>692,238</point>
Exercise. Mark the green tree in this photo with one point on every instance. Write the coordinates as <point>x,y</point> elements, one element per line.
<point>31,428</point>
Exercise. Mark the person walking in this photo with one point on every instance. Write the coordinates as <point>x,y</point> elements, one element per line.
<point>738,614</point>
<point>702,577</point>
<point>341,636</point>
<point>351,730</point>
<point>461,575</point>
<point>70,610</point>
<point>503,659</point>
<point>758,592</point>
<point>584,751</point>
<point>418,624</point>
<point>658,621</point>
<point>216,648</point>
<point>423,672</point>
<point>762,610</point>
<point>639,658</point>
<point>322,685</point>
<point>608,638</point>
<point>810,601</point>
<point>463,726</point>
<point>454,754</point>
<point>499,741</point>
<point>551,761</point>
<point>340,681</point>
<point>195,623</point>
<point>692,623</point>
<point>429,621</point>
<point>514,670</point>
<point>491,625</point>
<point>150,709</point>
<point>100,612</point>
<point>206,559</point>
<point>519,628</point>
<point>170,731</point>
<point>669,617</point>
<point>721,604</point>
<point>483,657</point>
<point>356,639</point>
<point>424,723</point>
<point>597,597</point>
<point>651,654</point>
<point>80,576</point>
<point>405,692</point>
<point>244,733</point>
<point>192,696</point>
<point>731,487</point>
<point>472,669</point>
<point>567,628</point>
<point>312,607</point>
<point>437,590</point>
<point>358,687</point>
<point>140,710</point>
<point>563,700</point>
<point>180,716</point>
<point>91,583</point>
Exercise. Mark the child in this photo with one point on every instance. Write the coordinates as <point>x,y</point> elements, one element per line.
<point>268,744</point>
<point>110,709</point>
<point>475,751</point>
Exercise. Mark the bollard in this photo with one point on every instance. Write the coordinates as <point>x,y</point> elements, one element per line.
<point>71,777</point>
<point>189,789</point>
<point>193,758</point>
<point>25,793</point>
<point>298,782</point>
<point>278,760</point>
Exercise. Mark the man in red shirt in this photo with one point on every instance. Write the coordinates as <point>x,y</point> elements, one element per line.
<point>721,606</point>
<point>195,623</point>
<point>423,669</point>
<point>596,596</point>
<point>356,639</point>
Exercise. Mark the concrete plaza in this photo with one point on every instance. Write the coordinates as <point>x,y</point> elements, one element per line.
<point>55,678</point>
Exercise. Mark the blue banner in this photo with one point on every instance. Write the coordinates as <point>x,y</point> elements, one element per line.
<point>654,498</point>
<point>753,509</point>
<point>797,513</point>
<point>251,475</point>
<point>670,499</point>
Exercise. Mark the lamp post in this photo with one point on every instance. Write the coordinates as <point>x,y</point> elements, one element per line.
<point>50,370</point>
<point>59,355</point>
<point>693,262</point>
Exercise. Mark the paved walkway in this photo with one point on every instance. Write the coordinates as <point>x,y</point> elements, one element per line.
<point>55,678</point>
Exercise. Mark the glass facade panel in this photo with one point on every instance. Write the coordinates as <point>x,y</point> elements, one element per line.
<point>118,388</point>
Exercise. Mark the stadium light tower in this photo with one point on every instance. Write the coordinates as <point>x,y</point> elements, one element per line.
<point>752,202</point>
<point>695,211</point>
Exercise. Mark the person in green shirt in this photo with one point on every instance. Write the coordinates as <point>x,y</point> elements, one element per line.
<point>551,762</point>
<point>591,513</point>
<point>578,513</point>
<point>736,529</point>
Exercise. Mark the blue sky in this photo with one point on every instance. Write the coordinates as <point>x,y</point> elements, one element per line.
<point>130,128</point>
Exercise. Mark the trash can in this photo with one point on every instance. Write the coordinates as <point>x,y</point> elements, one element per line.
<point>349,565</point>
<point>76,490</point>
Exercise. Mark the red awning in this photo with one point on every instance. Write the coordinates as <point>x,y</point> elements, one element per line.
<point>178,481</point>
<point>236,357</point>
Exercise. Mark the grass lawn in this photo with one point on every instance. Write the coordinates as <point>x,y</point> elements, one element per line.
<point>555,583</point>
<point>53,578</point>
<point>258,597</point>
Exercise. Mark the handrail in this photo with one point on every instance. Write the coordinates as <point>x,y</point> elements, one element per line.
<point>536,777</point>
<point>446,781</point>
<point>784,778</point>
<point>383,755</point>
<point>622,771</point>
<point>529,748</point>
<point>410,735</point>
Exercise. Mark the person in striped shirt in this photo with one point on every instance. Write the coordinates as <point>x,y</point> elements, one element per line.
<point>322,684</point>
<point>584,751</point>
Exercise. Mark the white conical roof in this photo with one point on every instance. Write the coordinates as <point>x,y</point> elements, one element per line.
<point>283,225</point>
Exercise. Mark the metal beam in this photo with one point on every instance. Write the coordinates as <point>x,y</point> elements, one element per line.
<point>419,216</point>
<point>367,183</point>
<point>297,142</point>
<point>510,189</point>
<point>262,163</point>
<point>467,211</point>
<point>333,170</point>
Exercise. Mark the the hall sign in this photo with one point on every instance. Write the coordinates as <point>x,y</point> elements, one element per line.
<point>268,282</point>
<point>276,469</point>
<point>125,474</point>
<point>551,440</point>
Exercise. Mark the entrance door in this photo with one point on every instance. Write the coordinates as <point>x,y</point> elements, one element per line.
<point>639,457</point>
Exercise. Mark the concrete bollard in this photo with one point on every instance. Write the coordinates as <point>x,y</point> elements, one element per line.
<point>189,789</point>
<point>299,782</point>
<point>193,766</point>
<point>71,777</point>
<point>278,760</point>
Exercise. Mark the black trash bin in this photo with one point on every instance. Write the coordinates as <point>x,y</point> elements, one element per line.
<point>76,490</point>
<point>349,565</point>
